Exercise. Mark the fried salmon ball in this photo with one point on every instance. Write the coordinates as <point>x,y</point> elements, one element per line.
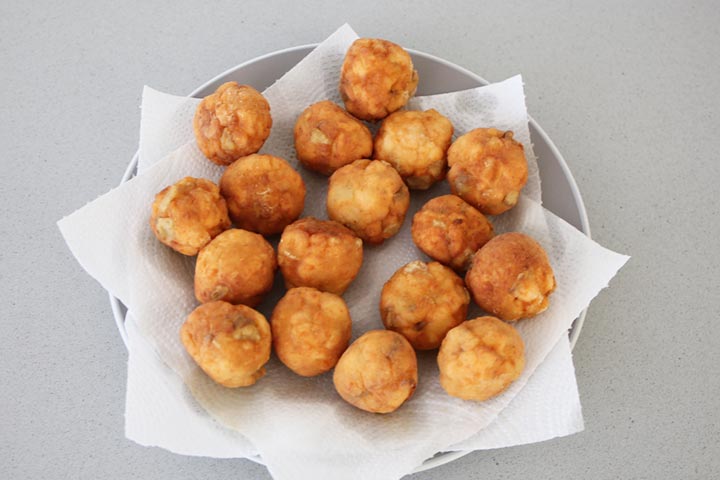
<point>237,266</point>
<point>310,330</point>
<point>511,277</point>
<point>327,138</point>
<point>264,193</point>
<point>415,144</point>
<point>232,122</point>
<point>319,253</point>
<point>450,231</point>
<point>187,215</point>
<point>370,198</point>
<point>422,302</point>
<point>378,372</point>
<point>487,169</point>
<point>377,78</point>
<point>480,358</point>
<point>231,343</point>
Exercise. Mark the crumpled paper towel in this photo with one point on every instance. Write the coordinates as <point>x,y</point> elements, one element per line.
<point>160,411</point>
<point>299,425</point>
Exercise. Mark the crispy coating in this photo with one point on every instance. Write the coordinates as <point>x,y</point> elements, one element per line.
<point>487,169</point>
<point>370,198</point>
<point>511,277</point>
<point>415,144</point>
<point>187,215</point>
<point>450,231</point>
<point>327,138</point>
<point>310,330</point>
<point>231,343</point>
<point>232,122</point>
<point>377,78</point>
<point>480,358</point>
<point>264,193</point>
<point>422,302</point>
<point>322,254</point>
<point>378,372</point>
<point>237,266</point>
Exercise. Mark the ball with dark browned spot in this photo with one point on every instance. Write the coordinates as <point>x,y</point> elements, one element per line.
<point>422,302</point>
<point>377,78</point>
<point>232,122</point>
<point>450,230</point>
<point>511,277</point>
<point>188,214</point>
<point>231,343</point>
<point>488,169</point>
<point>264,193</point>
<point>327,138</point>
<point>237,266</point>
<point>378,372</point>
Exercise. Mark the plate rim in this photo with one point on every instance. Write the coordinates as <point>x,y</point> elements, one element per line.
<point>441,458</point>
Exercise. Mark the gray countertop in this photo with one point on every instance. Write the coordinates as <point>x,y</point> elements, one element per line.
<point>629,91</point>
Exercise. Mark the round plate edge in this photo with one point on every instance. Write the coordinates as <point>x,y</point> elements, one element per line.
<point>442,457</point>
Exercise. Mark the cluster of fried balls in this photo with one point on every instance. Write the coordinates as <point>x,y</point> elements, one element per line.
<point>423,305</point>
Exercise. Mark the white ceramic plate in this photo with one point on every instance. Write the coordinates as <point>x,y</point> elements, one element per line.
<point>560,194</point>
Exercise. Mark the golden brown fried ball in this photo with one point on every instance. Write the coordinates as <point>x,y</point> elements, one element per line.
<point>237,266</point>
<point>450,231</point>
<point>187,215</point>
<point>487,169</point>
<point>377,78</point>
<point>232,122</point>
<point>370,198</point>
<point>480,358</point>
<point>231,343</point>
<point>422,302</point>
<point>264,193</point>
<point>327,138</point>
<point>511,277</point>
<point>378,372</point>
<point>310,330</point>
<point>415,144</point>
<point>319,253</point>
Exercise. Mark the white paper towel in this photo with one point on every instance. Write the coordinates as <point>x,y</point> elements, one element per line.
<point>547,407</point>
<point>298,425</point>
<point>161,412</point>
